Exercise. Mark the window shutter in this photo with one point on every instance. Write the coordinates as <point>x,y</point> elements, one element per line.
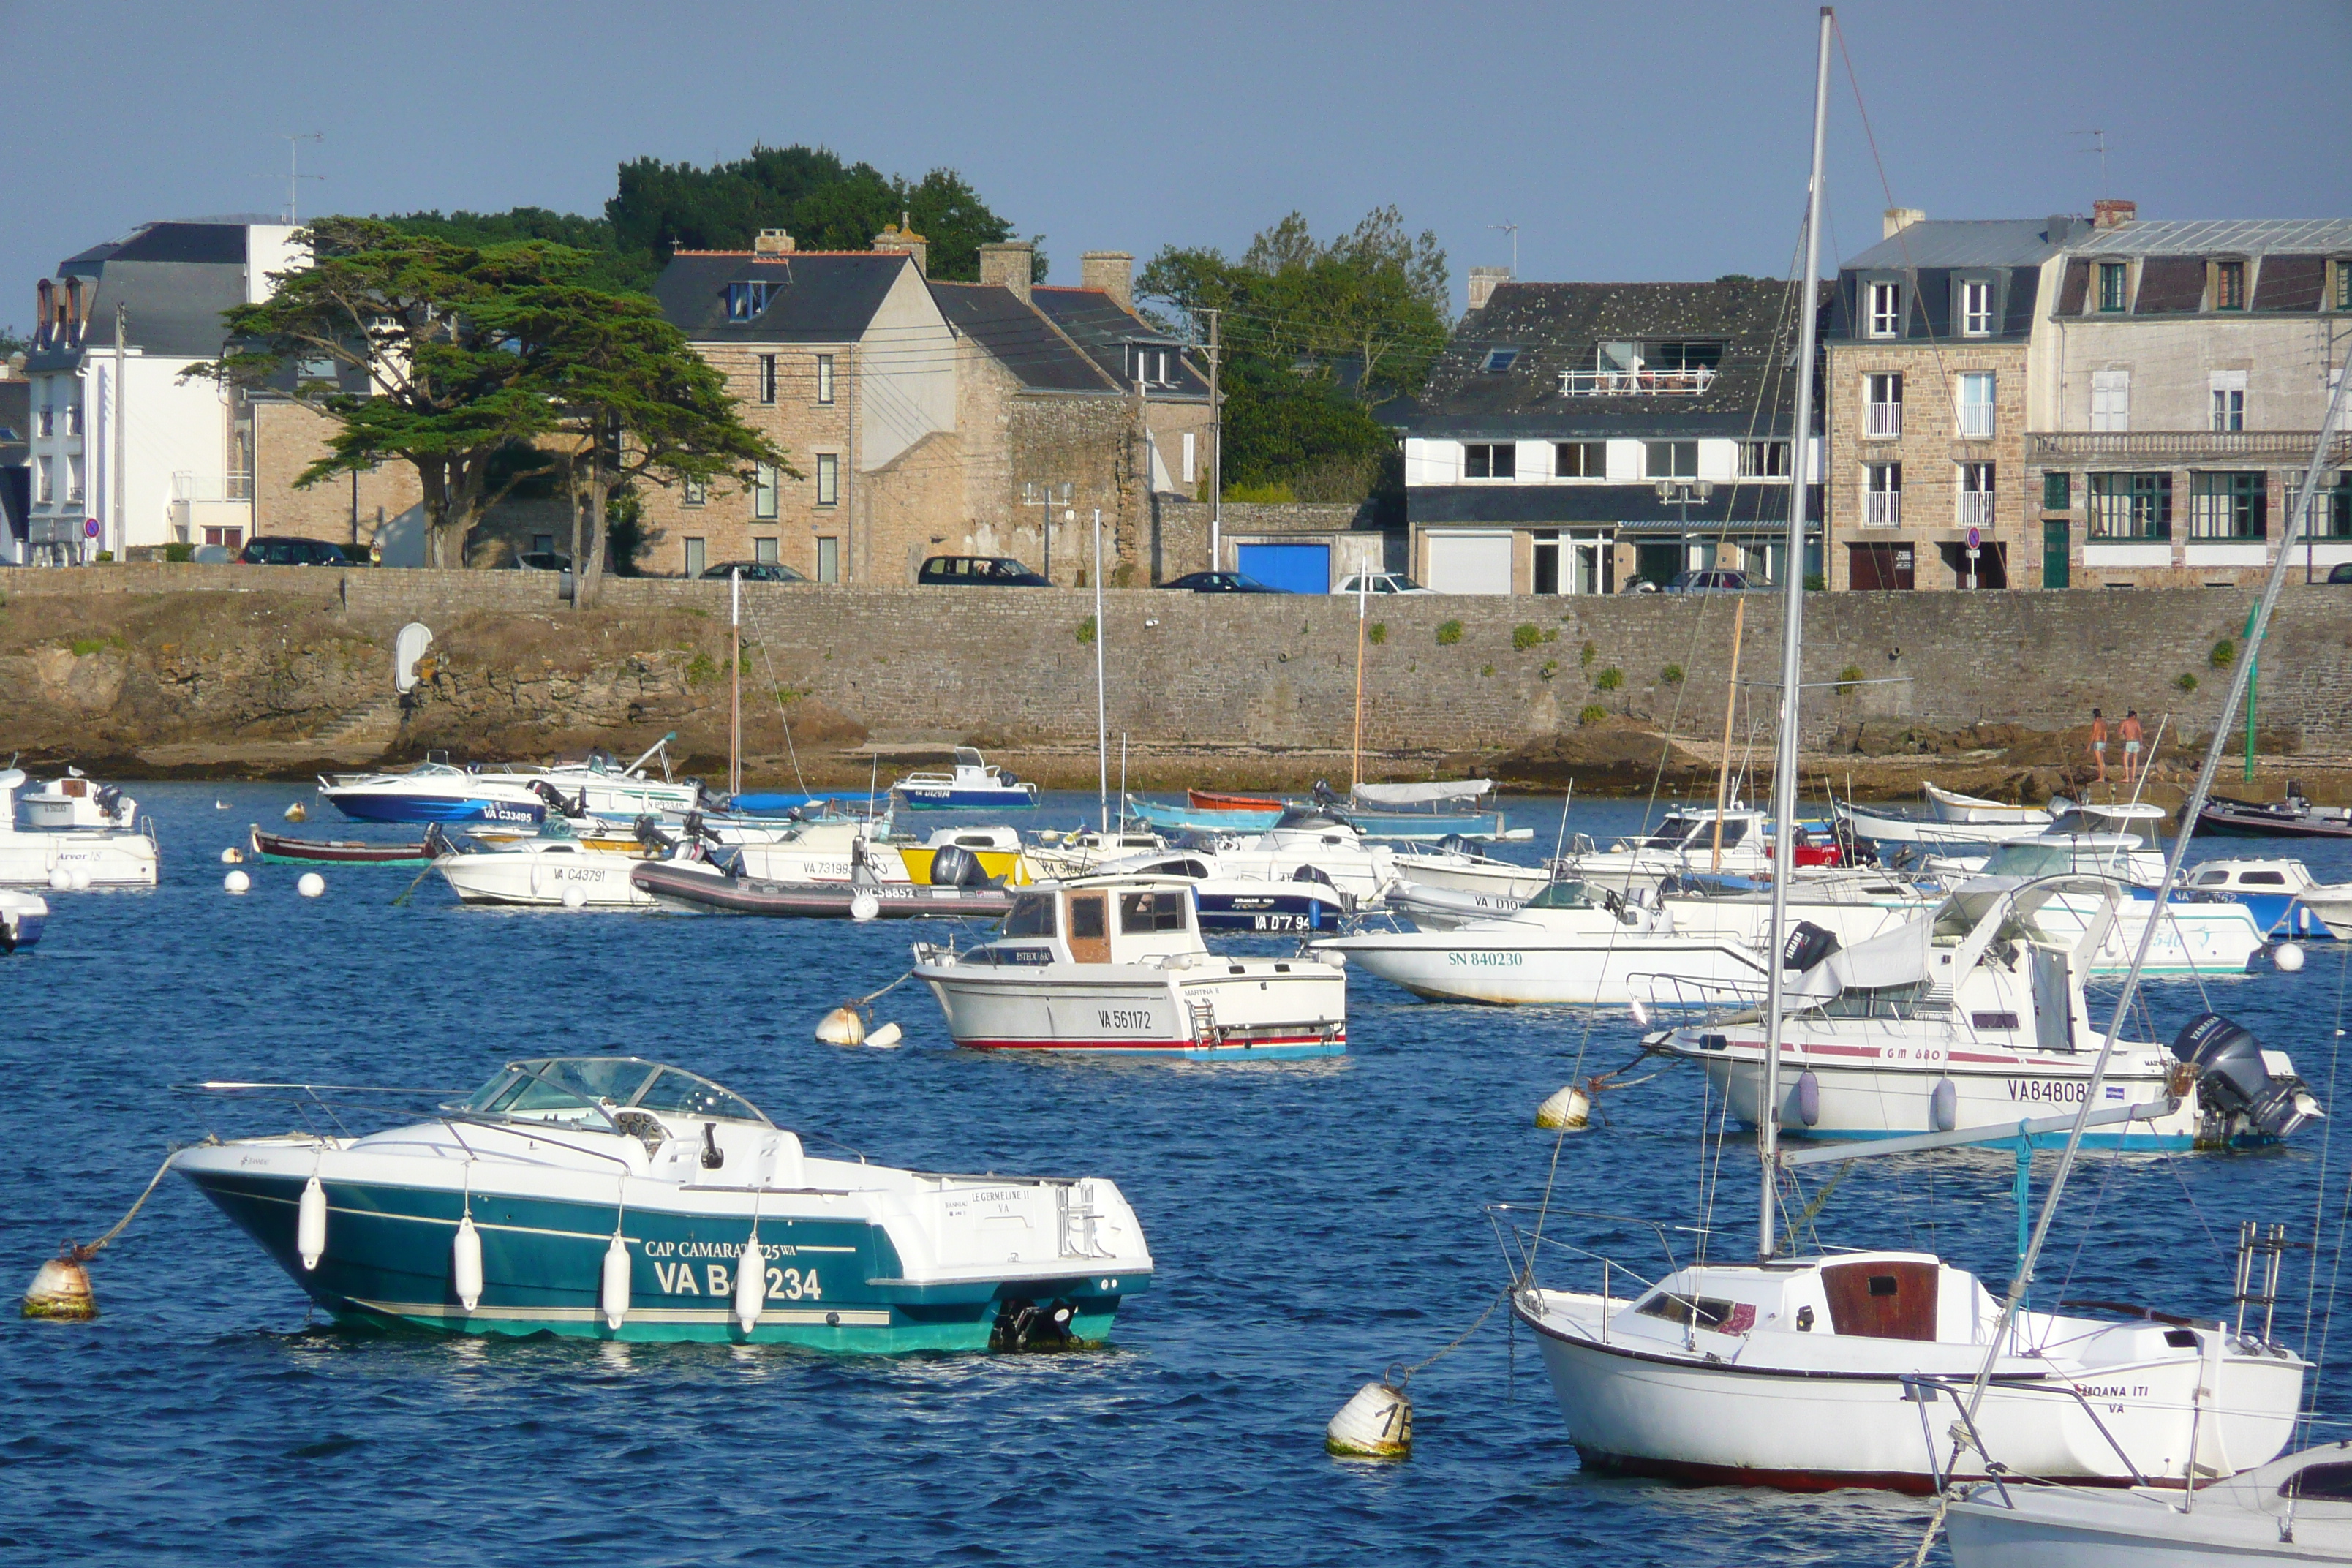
<point>2111,400</point>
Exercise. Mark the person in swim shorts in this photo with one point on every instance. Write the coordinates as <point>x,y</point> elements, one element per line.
<point>2130,732</point>
<point>2099,742</point>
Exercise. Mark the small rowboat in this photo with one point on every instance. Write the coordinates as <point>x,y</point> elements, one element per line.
<point>700,886</point>
<point>278,850</point>
<point>1212,800</point>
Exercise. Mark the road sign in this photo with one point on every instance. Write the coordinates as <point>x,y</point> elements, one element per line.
<point>89,527</point>
<point>1975,539</point>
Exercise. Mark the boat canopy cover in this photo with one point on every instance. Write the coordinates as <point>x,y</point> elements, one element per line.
<point>1898,958</point>
<point>1443,791</point>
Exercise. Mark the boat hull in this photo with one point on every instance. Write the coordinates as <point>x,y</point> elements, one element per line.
<point>920,798</point>
<point>1511,972</point>
<point>832,1283</point>
<point>1264,1013</point>
<point>1266,910</point>
<point>108,859</point>
<point>688,889</point>
<point>277,850</point>
<point>548,881</point>
<point>373,805</point>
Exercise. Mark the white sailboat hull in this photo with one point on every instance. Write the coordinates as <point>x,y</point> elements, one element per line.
<point>1484,963</point>
<point>114,859</point>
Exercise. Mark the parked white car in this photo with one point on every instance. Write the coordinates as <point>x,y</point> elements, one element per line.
<point>1381,582</point>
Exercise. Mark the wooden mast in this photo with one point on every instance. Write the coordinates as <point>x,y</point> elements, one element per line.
<point>1730,706</point>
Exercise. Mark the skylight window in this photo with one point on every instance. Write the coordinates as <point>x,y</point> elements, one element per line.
<point>746,300</point>
<point>1499,360</point>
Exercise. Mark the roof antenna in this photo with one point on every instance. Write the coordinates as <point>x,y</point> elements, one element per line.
<point>2098,146</point>
<point>294,175</point>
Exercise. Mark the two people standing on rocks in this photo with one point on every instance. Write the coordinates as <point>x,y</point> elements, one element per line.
<point>2129,733</point>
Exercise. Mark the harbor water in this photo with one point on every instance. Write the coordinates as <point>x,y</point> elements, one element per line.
<point>1313,1223</point>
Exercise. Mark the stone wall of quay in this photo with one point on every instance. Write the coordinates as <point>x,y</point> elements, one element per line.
<point>1016,667</point>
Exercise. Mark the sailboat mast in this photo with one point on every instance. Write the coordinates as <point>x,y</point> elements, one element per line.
<point>1356,754</point>
<point>1792,643</point>
<point>1102,723</point>
<point>735,701</point>
<point>1730,710</point>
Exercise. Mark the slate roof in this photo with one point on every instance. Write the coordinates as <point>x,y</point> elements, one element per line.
<point>822,297</point>
<point>2227,237</point>
<point>1639,504</point>
<point>176,278</point>
<point>15,420</point>
<point>1021,337</point>
<point>1971,242</point>
<point>1557,327</point>
<point>1102,328</point>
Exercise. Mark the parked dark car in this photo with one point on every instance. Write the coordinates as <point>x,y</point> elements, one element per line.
<point>978,571</point>
<point>269,552</point>
<point>754,571</point>
<point>2340,574</point>
<point>1221,583</point>
<point>542,561</point>
<point>1711,580</point>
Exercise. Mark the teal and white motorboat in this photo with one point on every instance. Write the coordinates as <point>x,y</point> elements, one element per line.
<point>971,783</point>
<point>617,1199</point>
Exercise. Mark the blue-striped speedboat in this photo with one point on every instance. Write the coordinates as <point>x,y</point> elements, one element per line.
<point>433,791</point>
<point>613,1197</point>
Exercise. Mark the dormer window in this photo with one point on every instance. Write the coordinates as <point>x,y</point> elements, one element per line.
<point>319,367</point>
<point>745,301</point>
<point>2113,285</point>
<point>1499,360</point>
<point>1150,365</point>
<point>1644,368</point>
<point>1976,307</point>
<point>1886,310</point>
<point>2229,285</point>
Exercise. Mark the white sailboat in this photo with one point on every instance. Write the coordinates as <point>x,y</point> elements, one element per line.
<point>1811,1372</point>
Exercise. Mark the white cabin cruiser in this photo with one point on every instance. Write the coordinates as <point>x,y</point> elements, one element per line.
<point>1118,966</point>
<point>1458,870</point>
<point>2271,889</point>
<point>1304,838</point>
<point>2198,934</point>
<point>616,1198</point>
<point>1974,1017</point>
<point>1229,901</point>
<point>64,859</point>
<point>76,800</point>
<point>2118,841</point>
<point>601,785</point>
<point>1572,943</point>
<point>2296,1508</point>
<point>1079,851</point>
<point>546,873</point>
<point>829,850</point>
<point>1684,844</point>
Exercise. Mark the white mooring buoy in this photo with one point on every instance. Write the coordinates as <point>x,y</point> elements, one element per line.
<point>298,813</point>
<point>864,905</point>
<point>885,1038</point>
<point>1376,1424</point>
<point>465,1263</point>
<point>575,897</point>
<point>61,1291</point>
<point>237,883</point>
<point>232,856</point>
<point>842,1027</point>
<point>613,1294</point>
<point>1569,1109</point>
<point>311,1224</point>
<point>311,885</point>
<point>2288,956</point>
<point>751,1285</point>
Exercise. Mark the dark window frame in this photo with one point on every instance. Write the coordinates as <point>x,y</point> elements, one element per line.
<point>1591,462</point>
<point>2133,506</point>
<point>2113,280</point>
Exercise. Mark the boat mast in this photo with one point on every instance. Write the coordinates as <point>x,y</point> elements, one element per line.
<point>735,700</point>
<point>1792,643</point>
<point>1730,708</point>
<point>1102,725</point>
<point>1356,762</point>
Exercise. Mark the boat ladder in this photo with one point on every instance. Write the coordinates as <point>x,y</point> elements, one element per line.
<point>1205,1021</point>
<point>1078,1214</point>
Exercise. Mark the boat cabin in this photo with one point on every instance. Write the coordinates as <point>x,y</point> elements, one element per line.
<point>692,1129</point>
<point>1876,1295</point>
<point>1126,920</point>
<point>2274,877</point>
<point>2137,822</point>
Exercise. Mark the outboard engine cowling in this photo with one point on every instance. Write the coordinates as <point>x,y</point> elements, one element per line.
<point>1807,944</point>
<point>2243,1088</point>
<point>956,866</point>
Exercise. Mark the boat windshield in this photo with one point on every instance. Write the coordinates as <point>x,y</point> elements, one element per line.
<point>2029,860</point>
<point>1674,829</point>
<point>1033,915</point>
<point>1561,896</point>
<point>586,1092</point>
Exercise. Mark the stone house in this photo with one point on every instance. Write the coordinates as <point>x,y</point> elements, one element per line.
<point>1574,437</point>
<point>928,417</point>
<point>2179,378</point>
<point>1925,360</point>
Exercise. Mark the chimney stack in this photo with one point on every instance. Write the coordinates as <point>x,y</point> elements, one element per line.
<point>773,242</point>
<point>905,241</point>
<point>2108,212</point>
<point>1897,219</point>
<point>1483,283</point>
<point>1112,271</point>
<point>1007,266</point>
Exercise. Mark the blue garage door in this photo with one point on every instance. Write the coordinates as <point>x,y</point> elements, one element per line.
<point>1301,568</point>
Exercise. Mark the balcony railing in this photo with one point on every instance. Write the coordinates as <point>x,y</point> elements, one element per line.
<point>1881,509</point>
<point>1644,382</point>
<point>1975,509</point>
<point>2186,445</point>
<point>1976,421</point>
<point>1883,419</point>
<point>236,485</point>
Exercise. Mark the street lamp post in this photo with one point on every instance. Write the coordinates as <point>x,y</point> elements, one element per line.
<point>1682,495</point>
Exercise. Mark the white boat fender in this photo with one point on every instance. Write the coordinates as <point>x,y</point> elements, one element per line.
<point>1809,1098</point>
<point>237,883</point>
<point>465,1262</point>
<point>575,897</point>
<point>311,885</point>
<point>61,881</point>
<point>613,1294</point>
<point>311,1223</point>
<point>296,813</point>
<point>82,878</point>
<point>2288,956</point>
<point>842,1027</point>
<point>1376,1424</point>
<point>1944,1106</point>
<point>886,1037</point>
<point>232,856</point>
<point>751,1283</point>
<point>864,905</point>
<point>1569,1109</point>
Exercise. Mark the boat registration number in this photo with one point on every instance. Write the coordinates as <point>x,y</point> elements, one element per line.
<point>1123,1018</point>
<point>2048,1091</point>
<point>1484,960</point>
<point>718,1279</point>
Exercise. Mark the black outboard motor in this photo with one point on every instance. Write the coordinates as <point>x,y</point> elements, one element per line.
<point>1807,945</point>
<point>2241,1086</point>
<point>957,866</point>
<point>1454,843</point>
<point>650,835</point>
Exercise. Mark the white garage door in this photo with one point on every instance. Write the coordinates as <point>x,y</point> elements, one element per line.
<point>1470,563</point>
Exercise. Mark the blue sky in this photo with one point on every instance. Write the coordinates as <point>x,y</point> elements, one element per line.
<point>1628,141</point>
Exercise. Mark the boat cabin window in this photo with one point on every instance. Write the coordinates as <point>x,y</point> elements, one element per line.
<point>1674,829</point>
<point>1086,919</point>
<point>1141,912</point>
<point>2320,1483</point>
<point>1561,896</point>
<point>2029,860</point>
<point>1033,915</point>
<point>1734,829</point>
<point>683,1094</point>
<point>1709,1312</point>
<point>2261,879</point>
<point>583,1091</point>
<point>2210,879</point>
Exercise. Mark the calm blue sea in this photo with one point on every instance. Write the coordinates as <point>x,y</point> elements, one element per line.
<point>1313,1223</point>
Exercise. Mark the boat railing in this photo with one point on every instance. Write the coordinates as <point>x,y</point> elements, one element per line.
<point>1923,1389</point>
<point>1683,993</point>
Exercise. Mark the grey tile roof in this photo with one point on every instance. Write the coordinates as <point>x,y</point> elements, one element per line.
<point>1966,242</point>
<point>1557,327</point>
<point>175,280</point>
<point>2217,236</point>
<point>1019,337</point>
<point>823,297</point>
<point>1096,323</point>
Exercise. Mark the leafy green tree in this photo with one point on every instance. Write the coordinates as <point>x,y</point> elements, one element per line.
<point>608,268</point>
<point>450,386</point>
<point>1319,333</point>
